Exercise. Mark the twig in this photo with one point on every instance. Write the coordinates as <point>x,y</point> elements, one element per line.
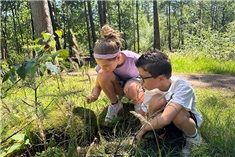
<point>91,146</point>
<point>12,85</point>
<point>89,77</point>
<point>27,103</point>
<point>61,94</point>
<point>5,106</point>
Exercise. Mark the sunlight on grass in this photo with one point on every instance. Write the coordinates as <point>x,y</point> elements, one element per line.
<point>199,63</point>
<point>218,128</point>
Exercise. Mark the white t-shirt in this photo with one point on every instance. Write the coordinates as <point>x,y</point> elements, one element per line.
<point>180,92</point>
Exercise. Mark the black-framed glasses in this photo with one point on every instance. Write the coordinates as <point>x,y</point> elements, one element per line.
<point>144,78</point>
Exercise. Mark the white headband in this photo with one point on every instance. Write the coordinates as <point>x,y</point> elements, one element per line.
<point>106,56</point>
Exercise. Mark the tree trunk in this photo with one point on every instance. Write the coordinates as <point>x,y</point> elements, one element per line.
<point>87,27</point>
<point>91,23</point>
<point>119,16</point>
<point>156,42</point>
<point>41,17</point>
<point>4,49</point>
<point>223,21</point>
<point>3,45</point>
<point>212,15</point>
<point>20,29</point>
<point>181,24</point>
<point>102,13</point>
<point>68,29</point>
<point>64,23</point>
<point>14,23</point>
<point>169,25</point>
<point>137,26</point>
<point>53,15</point>
<point>134,26</point>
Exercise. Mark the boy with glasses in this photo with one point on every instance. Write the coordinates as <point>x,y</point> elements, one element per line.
<point>168,99</point>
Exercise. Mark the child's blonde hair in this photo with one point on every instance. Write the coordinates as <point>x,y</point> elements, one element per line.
<point>110,41</point>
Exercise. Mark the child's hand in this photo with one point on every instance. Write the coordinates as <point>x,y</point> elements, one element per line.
<point>140,134</point>
<point>90,99</point>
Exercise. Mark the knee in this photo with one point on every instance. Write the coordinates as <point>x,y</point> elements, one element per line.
<point>103,77</point>
<point>156,102</point>
<point>157,99</point>
<point>182,117</point>
<point>134,91</point>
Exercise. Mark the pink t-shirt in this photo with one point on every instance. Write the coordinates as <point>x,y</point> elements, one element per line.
<point>128,69</point>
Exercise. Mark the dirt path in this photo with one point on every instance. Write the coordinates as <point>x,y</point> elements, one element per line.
<point>226,82</point>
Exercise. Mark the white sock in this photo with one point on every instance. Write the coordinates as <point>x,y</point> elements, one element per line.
<point>115,103</point>
<point>192,136</point>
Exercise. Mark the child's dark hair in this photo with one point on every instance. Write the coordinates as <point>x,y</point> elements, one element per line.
<point>156,63</point>
<point>110,41</point>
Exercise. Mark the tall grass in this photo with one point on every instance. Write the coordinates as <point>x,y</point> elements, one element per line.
<point>218,128</point>
<point>200,63</point>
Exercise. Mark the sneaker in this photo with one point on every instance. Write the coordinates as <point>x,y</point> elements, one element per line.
<point>113,111</point>
<point>191,143</point>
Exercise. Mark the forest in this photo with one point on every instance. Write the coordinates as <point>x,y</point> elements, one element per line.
<point>169,25</point>
<point>43,112</point>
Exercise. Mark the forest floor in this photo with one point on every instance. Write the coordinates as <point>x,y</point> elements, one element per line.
<point>214,81</point>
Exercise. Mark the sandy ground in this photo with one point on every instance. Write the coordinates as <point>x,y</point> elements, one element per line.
<point>226,82</point>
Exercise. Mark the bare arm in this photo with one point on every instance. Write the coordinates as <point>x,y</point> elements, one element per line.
<point>95,93</point>
<point>161,119</point>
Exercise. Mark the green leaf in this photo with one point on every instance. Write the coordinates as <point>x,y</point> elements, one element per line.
<point>15,67</point>
<point>13,77</point>
<point>37,40</point>
<point>46,36</point>
<point>33,71</point>
<point>51,67</point>
<point>11,74</point>
<point>22,72</point>
<point>42,69</point>
<point>29,65</point>
<point>53,56</point>
<point>27,142</point>
<point>14,147</point>
<point>18,137</point>
<point>64,53</point>
<point>52,43</point>
<point>6,76</point>
<point>60,59</point>
<point>24,69</point>
<point>44,57</point>
<point>59,33</point>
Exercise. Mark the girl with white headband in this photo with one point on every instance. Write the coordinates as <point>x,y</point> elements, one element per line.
<point>116,73</point>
